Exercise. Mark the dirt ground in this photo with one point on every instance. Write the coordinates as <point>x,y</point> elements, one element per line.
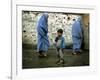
<point>31,60</point>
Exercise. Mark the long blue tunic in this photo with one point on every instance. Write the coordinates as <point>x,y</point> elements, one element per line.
<point>42,29</point>
<point>77,35</point>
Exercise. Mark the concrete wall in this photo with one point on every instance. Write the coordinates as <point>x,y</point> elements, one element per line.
<point>86,30</point>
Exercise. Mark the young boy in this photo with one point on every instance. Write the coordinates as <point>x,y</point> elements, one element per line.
<point>60,45</point>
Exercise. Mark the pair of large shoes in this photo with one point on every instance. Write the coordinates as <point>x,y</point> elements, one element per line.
<point>42,55</point>
<point>76,52</point>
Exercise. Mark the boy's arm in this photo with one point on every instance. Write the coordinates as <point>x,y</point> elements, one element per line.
<point>56,39</point>
<point>55,42</point>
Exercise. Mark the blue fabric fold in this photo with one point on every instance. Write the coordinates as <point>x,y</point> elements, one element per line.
<point>77,35</point>
<point>42,29</point>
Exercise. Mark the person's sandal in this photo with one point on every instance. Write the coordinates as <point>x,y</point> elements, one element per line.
<point>40,55</point>
<point>44,55</point>
<point>74,53</point>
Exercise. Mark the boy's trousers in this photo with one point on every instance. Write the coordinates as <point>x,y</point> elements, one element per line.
<point>60,53</point>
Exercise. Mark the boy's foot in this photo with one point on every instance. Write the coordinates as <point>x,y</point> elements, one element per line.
<point>57,61</point>
<point>61,62</point>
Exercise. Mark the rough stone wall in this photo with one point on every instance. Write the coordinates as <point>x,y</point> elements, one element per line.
<point>55,21</point>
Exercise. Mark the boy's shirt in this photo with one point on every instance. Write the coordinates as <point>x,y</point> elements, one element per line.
<point>60,42</point>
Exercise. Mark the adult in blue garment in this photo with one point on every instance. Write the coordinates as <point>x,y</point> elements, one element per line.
<point>77,36</point>
<point>43,41</point>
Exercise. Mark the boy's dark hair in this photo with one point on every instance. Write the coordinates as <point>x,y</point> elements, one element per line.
<point>60,31</point>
